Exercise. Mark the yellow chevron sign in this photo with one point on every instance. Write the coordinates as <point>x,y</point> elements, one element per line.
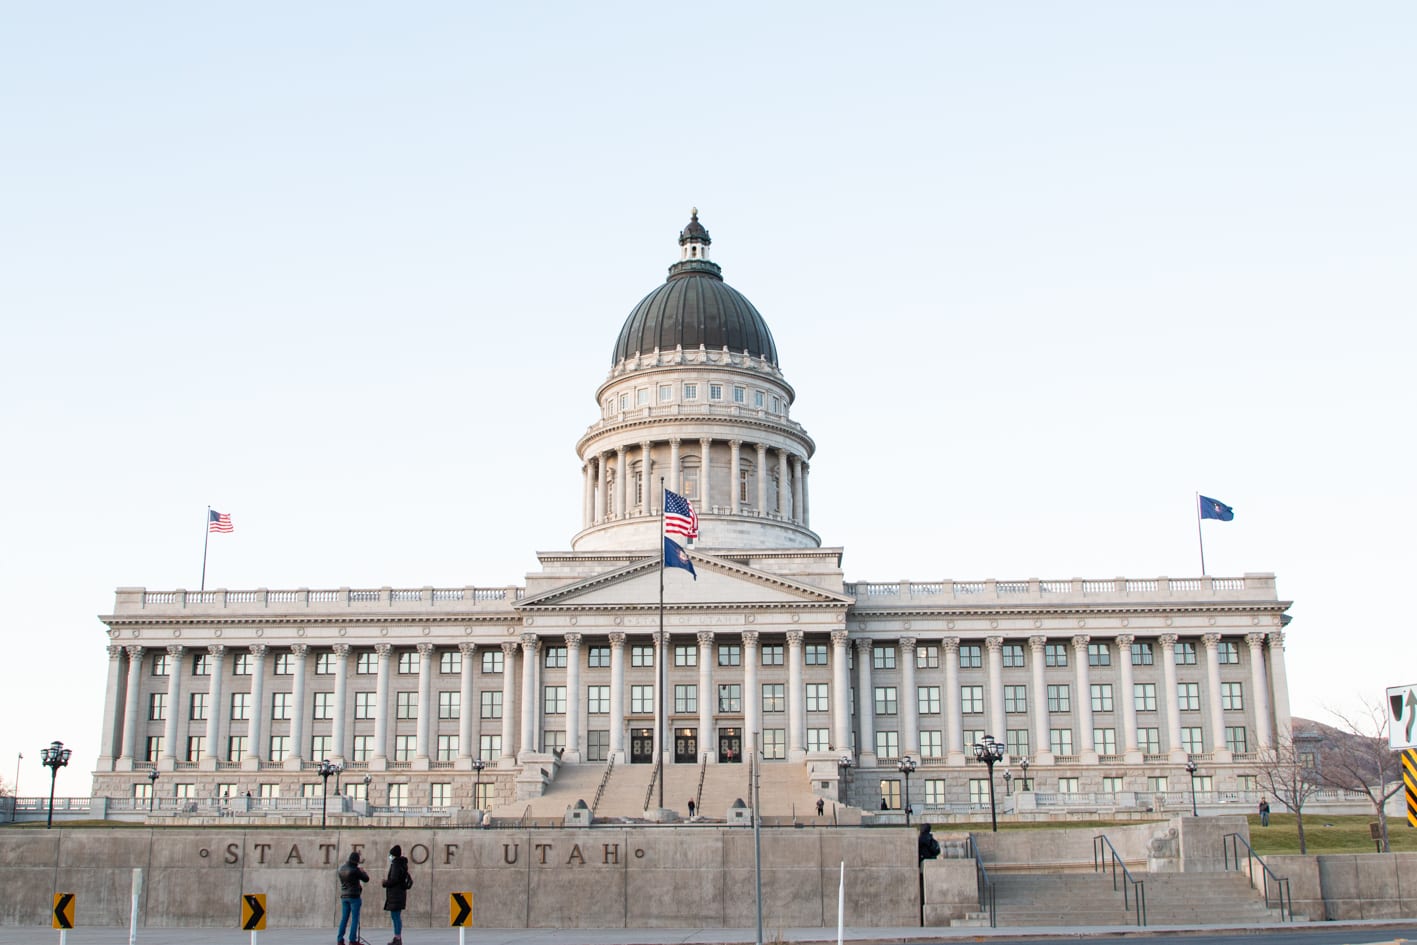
<point>64,910</point>
<point>1409,779</point>
<point>253,912</point>
<point>460,910</point>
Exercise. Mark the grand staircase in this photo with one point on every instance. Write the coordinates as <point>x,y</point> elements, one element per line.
<point>1087,898</point>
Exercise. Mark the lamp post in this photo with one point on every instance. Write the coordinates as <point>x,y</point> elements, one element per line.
<point>326,769</point>
<point>152,789</point>
<point>1023,782</point>
<point>1009,784</point>
<point>56,756</point>
<point>990,752</point>
<point>368,779</point>
<point>1191,770</point>
<point>477,765</point>
<point>906,766</point>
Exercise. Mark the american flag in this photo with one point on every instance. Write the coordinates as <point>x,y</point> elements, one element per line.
<point>679,516</point>
<point>218,521</point>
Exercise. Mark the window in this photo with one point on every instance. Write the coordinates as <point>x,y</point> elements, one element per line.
<point>597,745</point>
<point>450,662</point>
<point>363,748</point>
<point>1185,654</point>
<point>927,657</point>
<point>1228,651</point>
<point>666,392</point>
<point>819,739</point>
<point>642,699</point>
<point>492,662</point>
<point>927,700</point>
<point>409,662</point>
<point>776,404</point>
<point>202,664</point>
<point>1232,696</point>
<point>890,790</point>
<point>267,792</point>
<point>241,664</point>
<point>888,746</point>
<point>1016,742</point>
<point>1016,699</point>
<point>1101,697</point>
<point>157,706</point>
<point>774,744</point>
<point>730,698</point>
<point>356,790</point>
<point>598,657</point>
<point>715,392</point>
<point>691,391</point>
<point>284,664</point>
<point>364,705</point>
<point>555,657</point>
<point>624,402</point>
<point>1188,696</point>
<point>196,747</point>
<point>1142,654</point>
<point>1236,740</point>
<point>280,747</point>
<point>730,654</point>
<point>1158,783</point>
<point>978,792</point>
<point>774,698</point>
<point>817,698</point>
<point>442,793</point>
<point>759,398</point>
<point>686,697</point>
<point>324,664</point>
<point>1060,741</point>
<point>772,654</point>
<point>934,792</point>
<point>883,657</point>
<point>236,748</point>
<point>1144,696</point>
<point>1067,785</point>
<point>1111,784</point>
<point>641,655</point>
<point>491,704</point>
<point>1099,654</point>
<point>161,662</point>
<point>406,705</point>
<point>1149,740</point>
<point>404,747</point>
<point>554,700</point>
<point>972,737</point>
<point>1104,740</point>
<point>1013,655</point>
<point>641,396</point>
<point>686,655</point>
<point>597,700</point>
<point>815,654</point>
<point>143,792</point>
<point>930,742</point>
<point>971,700</point>
<point>490,746</point>
<point>449,704</point>
<point>280,706</point>
<point>970,656</point>
<point>1247,782</point>
<point>321,746</point>
<point>197,706</point>
<point>447,748</point>
<point>1059,698</point>
<point>885,700</point>
<point>398,795</point>
<point>240,706</point>
<point>366,663</point>
<point>1055,654</point>
<point>1192,739</point>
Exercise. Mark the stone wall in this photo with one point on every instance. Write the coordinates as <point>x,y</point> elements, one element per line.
<point>1351,886</point>
<point>588,878</point>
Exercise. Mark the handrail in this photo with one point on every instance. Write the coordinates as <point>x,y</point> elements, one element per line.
<point>984,885</point>
<point>526,816</point>
<point>1281,884</point>
<point>653,778</point>
<point>604,780</point>
<point>1100,862</point>
<point>703,773</point>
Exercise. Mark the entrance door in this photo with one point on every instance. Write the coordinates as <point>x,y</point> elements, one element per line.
<point>641,746</point>
<point>730,746</point>
<point>686,746</point>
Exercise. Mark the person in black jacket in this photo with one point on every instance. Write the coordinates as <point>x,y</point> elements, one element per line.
<point>351,888</point>
<point>927,847</point>
<point>396,886</point>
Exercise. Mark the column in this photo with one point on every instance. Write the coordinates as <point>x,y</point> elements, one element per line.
<point>796,730</point>
<point>1126,702</point>
<point>339,726</point>
<point>1173,704</point>
<point>1087,752</point>
<point>622,484</point>
<point>298,751</point>
<point>797,489</point>
<point>466,751</point>
<point>706,733</point>
<point>784,496</point>
<point>761,472</point>
<point>674,464</point>
<point>617,697</point>
<point>130,709</point>
<point>509,705</point>
<point>572,752</point>
<point>646,479</point>
<point>994,664</point>
<point>735,474</point>
<point>661,695</point>
<point>1280,681</point>
<point>1259,692</point>
<point>806,497</point>
<point>427,710</point>
<point>216,712</point>
<point>601,487</point>
<point>954,729</point>
<point>256,730</point>
<point>588,497</point>
<point>909,701</point>
<point>1042,743</point>
<point>530,646</point>
<point>112,739</point>
<point>174,706</point>
<point>381,707</point>
<point>841,693</point>
<point>1220,752</point>
<point>752,693</point>
<point>705,465</point>
<point>865,705</point>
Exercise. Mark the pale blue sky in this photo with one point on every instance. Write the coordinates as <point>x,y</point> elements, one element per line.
<point>1038,272</point>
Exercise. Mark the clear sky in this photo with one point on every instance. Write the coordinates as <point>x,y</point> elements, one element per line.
<point>1039,272</point>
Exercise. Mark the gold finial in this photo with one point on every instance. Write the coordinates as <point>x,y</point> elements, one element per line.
<point>693,213</point>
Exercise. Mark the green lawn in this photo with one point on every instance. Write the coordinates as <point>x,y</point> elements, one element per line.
<point>1328,833</point>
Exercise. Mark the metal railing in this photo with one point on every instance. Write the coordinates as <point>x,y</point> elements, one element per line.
<point>604,780</point>
<point>1231,842</point>
<point>1104,855</point>
<point>984,885</point>
<point>654,777</point>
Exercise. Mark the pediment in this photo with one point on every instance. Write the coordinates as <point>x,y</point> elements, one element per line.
<point>720,584</point>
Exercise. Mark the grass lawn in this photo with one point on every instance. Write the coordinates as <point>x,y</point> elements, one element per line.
<point>1328,833</point>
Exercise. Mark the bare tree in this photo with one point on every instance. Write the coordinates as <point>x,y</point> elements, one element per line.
<point>1291,777</point>
<point>1356,757</point>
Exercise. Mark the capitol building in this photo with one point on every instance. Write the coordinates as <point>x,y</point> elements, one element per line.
<point>491,698</point>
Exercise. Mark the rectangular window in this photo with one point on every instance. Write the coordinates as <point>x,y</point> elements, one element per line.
<point>740,396</point>
<point>1158,783</point>
<point>197,707</point>
<point>776,404</point>
<point>450,662</point>
<point>1247,782</point>
<point>715,392</point>
<point>241,664</point>
<point>597,745</point>
<point>1104,740</point>
<point>774,697</point>
<point>814,654</point>
<point>597,700</point>
<point>1228,651</point>
<point>554,700</point>
<point>1149,740</point>
<point>398,795</point>
<point>1188,696</point>
<point>366,663</point>
<point>817,697</point>
<point>363,748</point>
<point>730,698</point>
<point>280,706</point>
<point>641,656</point>
<point>143,792</point>
<point>157,706</point>
<point>772,654</point>
<point>642,699</point>
<point>927,657</point>
<point>1101,697</point>
<point>686,697</point>
<point>447,748</point>
<point>666,393</point>
<point>890,790</point>
<point>1192,739</point>
<point>442,793</point>
<point>1060,741</point>
<point>492,662</point>
<point>1142,654</point>
<point>686,655</point>
<point>930,744</point>
<point>598,657</point>
<point>1111,784</point>
<point>927,700</point>
<point>321,746</point>
<point>161,662</point>
<point>1185,654</point>
<point>641,396</point>
<point>553,741</point>
<point>759,398</point>
<point>978,792</point>
<point>196,747</point>
<point>885,700</point>
<point>1059,698</point>
<point>730,654</point>
<point>236,748</point>
<point>409,663</point>
<point>405,747</point>
<point>1236,740</point>
<point>555,657</point>
<point>1232,696</point>
<point>1067,785</point>
<point>280,747</point>
<point>883,657</point>
<point>774,744</point>
<point>970,656</point>
<point>284,664</point>
<point>324,664</point>
<point>1055,654</point>
<point>972,737</point>
<point>691,391</point>
<point>1099,654</point>
<point>1016,699</point>
<point>490,746</point>
<point>1016,742</point>
<point>406,705</point>
<point>202,664</point>
<point>240,706</point>
<point>491,704</point>
<point>934,792</point>
<point>1013,655</point>
<point>624,402</point>
<point>268,792</point>
<point>887,745</point>
<point>1144,696</point>
<point>971,700</point>
<point>819,739</point>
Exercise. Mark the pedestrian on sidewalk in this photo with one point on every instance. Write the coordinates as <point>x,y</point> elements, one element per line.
<point>396,887</point>
<point>692,808</point>
<point>351,888</point>
<point>1264,812</point>
<point>821,806</point>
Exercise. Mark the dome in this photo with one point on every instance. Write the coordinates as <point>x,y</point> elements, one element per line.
<point>694,307</point>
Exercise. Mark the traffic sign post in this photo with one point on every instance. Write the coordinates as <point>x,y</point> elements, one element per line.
<point>1409,781</point>
<point>460,914</point>
<point>253,914</point>
<point>63,915</point>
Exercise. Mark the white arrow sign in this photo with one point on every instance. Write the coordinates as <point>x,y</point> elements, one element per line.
<point>1402,717</point>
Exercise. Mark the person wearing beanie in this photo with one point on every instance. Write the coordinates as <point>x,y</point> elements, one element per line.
<point>396,887</point>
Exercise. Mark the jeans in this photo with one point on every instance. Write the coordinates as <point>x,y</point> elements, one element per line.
<point>398,921</point>
<point>349,915</point>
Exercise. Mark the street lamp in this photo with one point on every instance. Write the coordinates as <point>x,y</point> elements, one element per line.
<point>56,756</point>
<point>477,765</point>
<point>368,779</point>
<point>843,765</point>
<point>1191,770</point>
<point>990,752</point>
<point>1023,783</point>
<point>326,769</point>
<point>152,788</point>
<point>906,766</point>
<point>1009,784</point>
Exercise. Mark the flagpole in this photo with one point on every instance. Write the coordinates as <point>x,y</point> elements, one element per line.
<point>206,537</point>
<point>1199,536</point>
<point>663,654</point>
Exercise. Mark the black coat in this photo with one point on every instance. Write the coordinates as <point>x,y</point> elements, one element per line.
<point>351,878</point>
<point>396,885</point>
